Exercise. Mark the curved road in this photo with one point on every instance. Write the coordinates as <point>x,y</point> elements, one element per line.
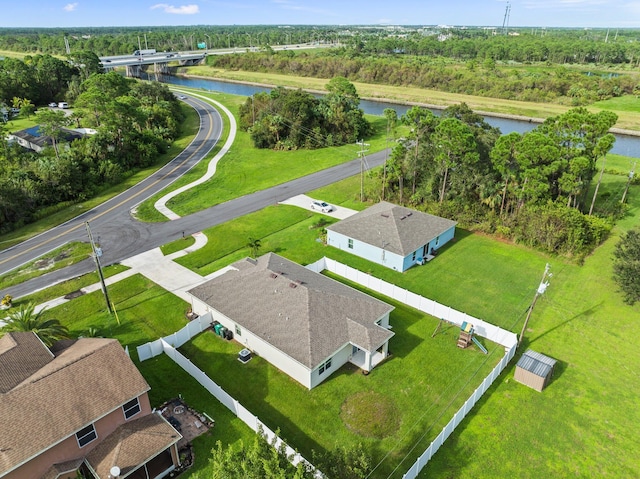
<point>121,236</point>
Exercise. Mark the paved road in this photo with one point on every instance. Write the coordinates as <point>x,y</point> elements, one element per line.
<point>109,213</point>
<point>121,236</point>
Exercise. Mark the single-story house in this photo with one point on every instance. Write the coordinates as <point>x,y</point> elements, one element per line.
<point>534,370</point>
<point>33,138</point>
<point>80,406</point>
<point>302,322</point>
<point>391,235</point>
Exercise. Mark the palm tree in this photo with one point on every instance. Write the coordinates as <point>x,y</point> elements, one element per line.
<point>254,245</point>
<point>26,319</point>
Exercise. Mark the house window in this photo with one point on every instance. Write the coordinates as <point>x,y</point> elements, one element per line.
<point>238,331</point>
<point>437,240</point>
<point>131,408</point>
<point>86,435</point>
<point>325,366</point>
<point>413,257</point>
<point>350,243</point>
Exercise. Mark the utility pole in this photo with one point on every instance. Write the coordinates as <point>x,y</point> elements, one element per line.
<point>97,252</point>
<point>626,188</point>
<point>541,289</point>
<point>361,154</point>
<point>505,20</point>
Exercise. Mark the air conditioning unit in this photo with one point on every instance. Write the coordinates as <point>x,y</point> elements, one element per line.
<point>244,356</point>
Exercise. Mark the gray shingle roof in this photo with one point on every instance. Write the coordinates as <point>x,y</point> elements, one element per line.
<point>85,381</point>
<point>402,230</point>
<point>536,363</point>
<point>304,314</point>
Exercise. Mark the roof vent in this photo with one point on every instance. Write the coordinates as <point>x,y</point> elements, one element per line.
<point>409,213</point>
<point>273,275</point>
<point>402,217</point>
<point>384,215</point>
<point>293,285</point>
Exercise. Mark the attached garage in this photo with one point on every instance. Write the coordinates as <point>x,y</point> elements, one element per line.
<point>534,370</point>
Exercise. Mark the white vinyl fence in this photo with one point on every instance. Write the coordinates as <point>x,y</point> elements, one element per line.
<point>489,331</point>
<point>168,346</point>
<point>493,333</point>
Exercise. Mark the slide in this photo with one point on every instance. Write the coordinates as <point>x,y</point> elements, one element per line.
<point>479,344</point>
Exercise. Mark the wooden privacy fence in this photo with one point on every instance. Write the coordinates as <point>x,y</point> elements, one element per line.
<point>493,333</point>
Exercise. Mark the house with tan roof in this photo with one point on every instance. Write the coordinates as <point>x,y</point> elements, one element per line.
<point>81,406</point>
<point>302,322</point>
<point>392,235</point>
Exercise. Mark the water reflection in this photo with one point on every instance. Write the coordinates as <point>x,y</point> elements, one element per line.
<point>624,145</point>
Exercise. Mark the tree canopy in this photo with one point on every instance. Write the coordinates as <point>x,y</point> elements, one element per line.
<point>133,122</point>
<point>25,318</point>
<point>626,265</point>
<point>292,119</point>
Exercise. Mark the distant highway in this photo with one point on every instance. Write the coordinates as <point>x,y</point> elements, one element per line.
<point>189,56</point>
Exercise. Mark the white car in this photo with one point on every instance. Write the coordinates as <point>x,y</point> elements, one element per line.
<point>321,206</point>
<point>181,97</point>
<point>53,104</point>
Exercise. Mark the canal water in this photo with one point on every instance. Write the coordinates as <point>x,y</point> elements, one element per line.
<point>625,145</point>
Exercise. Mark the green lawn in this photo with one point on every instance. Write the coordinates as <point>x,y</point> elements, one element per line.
<point>582,425</point>
<point>246,169</point>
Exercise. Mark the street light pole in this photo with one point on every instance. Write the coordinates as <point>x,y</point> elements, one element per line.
<point>97,252</point>
<point>541,289</point>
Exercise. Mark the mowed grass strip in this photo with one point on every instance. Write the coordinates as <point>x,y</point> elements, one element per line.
<point>246,169</point>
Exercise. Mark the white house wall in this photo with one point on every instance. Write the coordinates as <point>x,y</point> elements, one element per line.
<point>364,250</point>
<point>260,347</point>
<point>338,360</point>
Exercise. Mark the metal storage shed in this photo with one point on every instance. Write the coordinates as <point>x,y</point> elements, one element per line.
<point>534,370</point>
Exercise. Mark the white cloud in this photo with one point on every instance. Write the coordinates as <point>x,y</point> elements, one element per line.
<point>70,7</point>
<point>181,10</point>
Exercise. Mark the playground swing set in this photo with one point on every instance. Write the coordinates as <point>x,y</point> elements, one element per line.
<point>466,335</point>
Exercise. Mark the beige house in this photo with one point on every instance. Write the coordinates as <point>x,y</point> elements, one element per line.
<point>302,322</point>
<point>81,406</point>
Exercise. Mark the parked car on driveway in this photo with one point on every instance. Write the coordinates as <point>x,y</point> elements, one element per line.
<point>322,206</point>
<point>53,104</point>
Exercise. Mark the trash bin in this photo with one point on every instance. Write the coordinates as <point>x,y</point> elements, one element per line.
<point>217,328</point>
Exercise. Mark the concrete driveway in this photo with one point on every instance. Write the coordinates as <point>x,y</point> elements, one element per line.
<point>304,201</point>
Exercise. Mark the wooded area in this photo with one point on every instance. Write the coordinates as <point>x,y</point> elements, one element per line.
<point>134,122</point>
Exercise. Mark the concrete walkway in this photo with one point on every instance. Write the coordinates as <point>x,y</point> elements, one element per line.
<point>161,204</point>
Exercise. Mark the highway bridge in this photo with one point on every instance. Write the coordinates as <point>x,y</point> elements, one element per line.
<point>134,64</point>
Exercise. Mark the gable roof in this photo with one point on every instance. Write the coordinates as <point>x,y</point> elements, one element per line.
<point>395,228</point>
<point>131,444</point>
<point>81,383</point>
<point>536,363</point>
<point>302,313</point>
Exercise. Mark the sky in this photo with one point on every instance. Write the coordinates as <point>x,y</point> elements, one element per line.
<point>523,13</point>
